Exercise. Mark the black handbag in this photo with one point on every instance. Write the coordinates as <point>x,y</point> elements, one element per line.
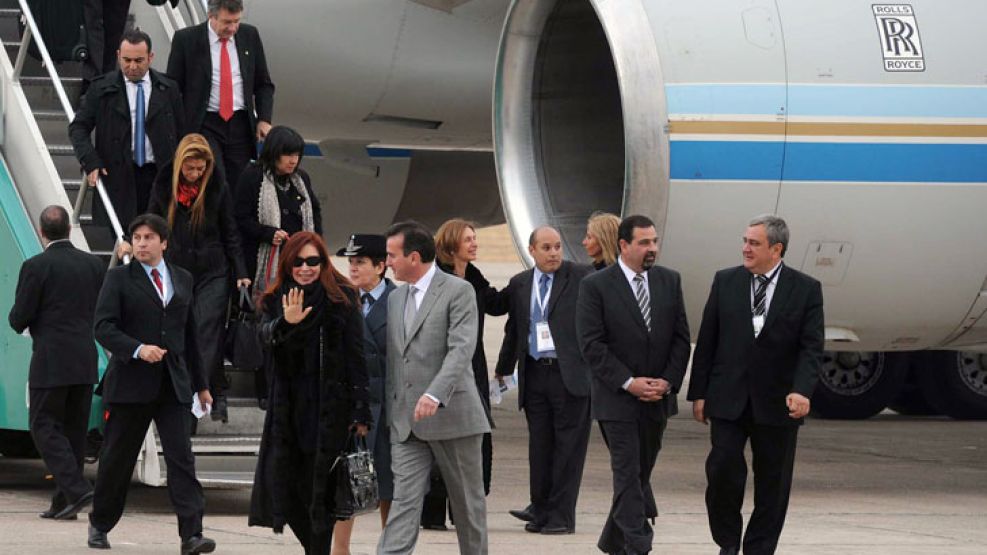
<point>356,480</point>
<point>243,344</point>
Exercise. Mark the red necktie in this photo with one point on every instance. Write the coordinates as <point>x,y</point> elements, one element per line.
<point>156,276</point>
<point>225,82</point>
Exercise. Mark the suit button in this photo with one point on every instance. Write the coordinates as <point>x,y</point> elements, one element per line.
<point>408,385</point>
<point>406,361</point>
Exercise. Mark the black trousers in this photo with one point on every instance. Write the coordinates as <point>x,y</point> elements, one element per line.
<point>634,448</point>
<point>124,436</point>
<point>59,418</point>
<point>773,454</point>
<point>143,183</point>
<point>233,142</point>
<point>558,435</point>
<point>297,509</point>
<point>212,294</point>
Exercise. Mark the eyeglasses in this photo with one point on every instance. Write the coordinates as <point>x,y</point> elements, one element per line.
<point>311,261</point>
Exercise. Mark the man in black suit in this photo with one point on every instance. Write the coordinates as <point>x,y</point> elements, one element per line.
<point>132,102</point>
<point>634,335</point>
<point>553,381</point>
<point>756,364</point>
<point>222,72</point>
<point>143,320</point>
<point>55,299</point>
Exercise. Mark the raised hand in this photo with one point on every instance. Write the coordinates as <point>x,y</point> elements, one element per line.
<point>293,304</point>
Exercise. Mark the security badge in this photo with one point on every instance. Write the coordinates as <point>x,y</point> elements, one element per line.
<point>758,322</point>
<point>544,335</point>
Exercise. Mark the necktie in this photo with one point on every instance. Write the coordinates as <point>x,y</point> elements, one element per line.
<point>410,310</point>
<point>368,299</point>
<point>139,156</point>
<point>761,295</point>
<point>225,82</point>
<point>537,315</point>
<point>156,276</point>
<point>643,299</point>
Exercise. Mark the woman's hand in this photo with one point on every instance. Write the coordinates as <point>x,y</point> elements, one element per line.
<point>360,429</point>
<point>280,236</point>
<point>292,304</point>
<point>124,249</point>
<point>242,282</point>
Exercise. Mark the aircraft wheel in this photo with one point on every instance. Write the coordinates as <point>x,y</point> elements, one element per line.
<point>955,383</point>
<point>857,385</point>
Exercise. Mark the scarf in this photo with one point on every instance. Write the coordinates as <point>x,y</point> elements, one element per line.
<point>269,214</point>
<point>187,193</point>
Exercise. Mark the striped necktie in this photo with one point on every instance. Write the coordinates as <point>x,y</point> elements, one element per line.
<point>761,294</point>
<point>643,299</point>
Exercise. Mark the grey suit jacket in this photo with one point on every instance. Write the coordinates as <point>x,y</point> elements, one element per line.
<point>435,358</point>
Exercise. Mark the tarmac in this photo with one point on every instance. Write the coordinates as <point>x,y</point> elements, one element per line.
<point>888,485</point>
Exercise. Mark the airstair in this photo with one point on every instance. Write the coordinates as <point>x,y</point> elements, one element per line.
<point>38,100</point>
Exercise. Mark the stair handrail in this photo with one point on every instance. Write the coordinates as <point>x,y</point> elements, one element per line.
<point>31,31</point>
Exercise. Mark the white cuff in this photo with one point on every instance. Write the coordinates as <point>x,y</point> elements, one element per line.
<point>627,384</point>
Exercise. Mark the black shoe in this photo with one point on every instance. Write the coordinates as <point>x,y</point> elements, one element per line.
<point>220,410</point>
<point>97,539</point>
<point>533,527</point>
<point>555,530</point>
<point>522,514</point>
<point>73,509</point>
<point>729,550</point>
<point>198,544</point>
<point>50,513</point>
<point>439,527</point>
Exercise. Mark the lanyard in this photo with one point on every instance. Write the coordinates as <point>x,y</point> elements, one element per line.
<point>770,279</point>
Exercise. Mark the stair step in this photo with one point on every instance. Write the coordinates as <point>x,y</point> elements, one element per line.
<point>44,80</point>
<point>72,184</point>
<point>239,444</point>
<point>61,150</point>
<point>10,12</point>
<point>50,115</point>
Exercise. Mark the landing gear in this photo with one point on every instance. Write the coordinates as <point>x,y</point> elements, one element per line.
<point>954,382</point>
<point>856,385</point>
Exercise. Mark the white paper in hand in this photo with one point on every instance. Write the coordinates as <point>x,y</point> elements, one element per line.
<point>498,389</point>
<point>198,409</point>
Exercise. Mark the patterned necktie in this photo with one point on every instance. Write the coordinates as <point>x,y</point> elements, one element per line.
<point>410,310</point>
<point>225,82</point>
<point>761,294</point>
<point>368,301</point>
<point>156,276</point>
<point>537,315</point>
<point>140,157</point>
<point>643,299</point>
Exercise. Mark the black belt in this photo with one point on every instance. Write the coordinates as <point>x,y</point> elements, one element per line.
<point>544,361</point>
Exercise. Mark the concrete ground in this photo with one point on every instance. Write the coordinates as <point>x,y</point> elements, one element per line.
<point>888,485</point>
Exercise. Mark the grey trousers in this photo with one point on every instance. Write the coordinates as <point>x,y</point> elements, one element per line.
<point>461,465</point>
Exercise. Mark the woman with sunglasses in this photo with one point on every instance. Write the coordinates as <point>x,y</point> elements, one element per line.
<point>313,326</point>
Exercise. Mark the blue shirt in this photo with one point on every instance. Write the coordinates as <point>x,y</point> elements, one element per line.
<point>376,292</point>
<point>169,290</point>
<point>535,285</point>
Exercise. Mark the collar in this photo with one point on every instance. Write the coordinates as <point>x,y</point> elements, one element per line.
<point>214,38</point>
<point>161,267</point>
<point>376,292</point>
<point>426,280</point>
<point>539,274</point>
<point>772,273</point>
<point>57,241</point>
<point>146,80</point>
<point>629,273</point>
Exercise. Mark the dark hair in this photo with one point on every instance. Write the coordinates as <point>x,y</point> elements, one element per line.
<point>332,281</point>
<point>54,222</point>
<point>375,260</point>
<point>157,224</point>
<point>280,141</point>
<point>416,238</point>
<point>136,36</point>
<point>627,226</point>
<point>232,6</point>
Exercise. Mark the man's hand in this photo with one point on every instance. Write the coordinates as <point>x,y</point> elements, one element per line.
<point>243,282</point>
<point>205,398</point>
<point>664,385</point>
<point>645,389</point>
<point>94,175</point>
<point>360,429</point>
<point>798,405</point>
<point>699,411</point>
<point>124,249</point>
<point>280,236</point>
<point>152,353</point>
<point>292,304</point>
<point>263,128</point>
<point>426,407</point>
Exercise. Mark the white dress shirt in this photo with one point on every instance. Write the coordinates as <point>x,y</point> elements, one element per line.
<point>145,83</point>
<point>630,275</point>
<point>421,286</point>
<point>771,288</point>
<point>214,50</point>
<point>166,293</point>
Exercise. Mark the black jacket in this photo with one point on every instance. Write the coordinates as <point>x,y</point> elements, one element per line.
<point>730,366</point>
<point>129,313</point>
<point>215,246</point>
<point>190,65</point>
<point>247,202</point>
<point>617,345</point>
<point>56,298</point>
<point>375,352</point>
<point>561,315</point>
<point>106,110</point>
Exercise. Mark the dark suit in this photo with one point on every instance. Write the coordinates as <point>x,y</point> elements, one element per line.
<point>55,298</point>
<point>554,395</point>
<point>107,111</point>
<point>130,313</point>
<point>375,352</point>
<point>190,65</point>
<point>744,381</point>
<point>618,346</point>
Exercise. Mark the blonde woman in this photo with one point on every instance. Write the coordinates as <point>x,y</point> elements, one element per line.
<point>601,239</point>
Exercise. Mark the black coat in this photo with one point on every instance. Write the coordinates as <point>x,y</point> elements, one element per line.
<point>617,345</point>
<point>215,246</point>
<point>561,315</point>
<point>56,298</point>
<point>130,313</point>
<point>341,399</point>
<point>375,352</point>
<point>107,111</point>
<point>247,202</point>
<point>730,365</point>
<point>190,65</point>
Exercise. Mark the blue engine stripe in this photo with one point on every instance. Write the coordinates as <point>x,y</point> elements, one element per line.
<point>738,160</point>
<point>827,100</point>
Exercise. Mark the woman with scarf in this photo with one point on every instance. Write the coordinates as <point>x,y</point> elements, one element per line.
<point>313,326</point>
<point>274,201</point>
<point>191,194</point>
<point>601,239</point>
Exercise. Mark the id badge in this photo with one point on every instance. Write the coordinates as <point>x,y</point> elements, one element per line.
<point>758,324</point>
<point>544,334</point>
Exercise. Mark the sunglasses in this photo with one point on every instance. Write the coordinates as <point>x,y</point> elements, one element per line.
<point>311,261</point>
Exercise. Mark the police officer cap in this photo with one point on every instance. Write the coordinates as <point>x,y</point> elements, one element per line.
<point>363,244</point>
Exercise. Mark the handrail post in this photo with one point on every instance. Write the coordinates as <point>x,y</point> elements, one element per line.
<point>80,199</point>
<point>22,53</point>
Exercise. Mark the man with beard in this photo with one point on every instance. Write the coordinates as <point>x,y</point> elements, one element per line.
<point>634,336</point>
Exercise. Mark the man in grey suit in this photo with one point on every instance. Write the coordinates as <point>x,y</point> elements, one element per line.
<point>433,408</point>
